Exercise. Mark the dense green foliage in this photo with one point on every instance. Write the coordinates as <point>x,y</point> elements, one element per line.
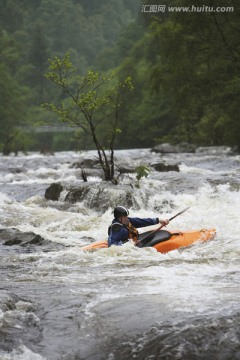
<point>31,32</point>
<point>184,66</point>
<point>13,94</point>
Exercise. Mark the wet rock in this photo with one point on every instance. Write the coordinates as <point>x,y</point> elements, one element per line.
<point>78,194</point>
<point>53,192</point>
<point>167,148</point>
<point>101,195</point>
<point>162,167</point>
<point>10,237</point>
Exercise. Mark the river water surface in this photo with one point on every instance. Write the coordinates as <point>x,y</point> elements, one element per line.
<point>122,302</point>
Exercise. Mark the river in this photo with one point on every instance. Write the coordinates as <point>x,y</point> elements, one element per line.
<point>122,302</point>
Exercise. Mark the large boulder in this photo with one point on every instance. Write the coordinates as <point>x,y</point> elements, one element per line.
<point>101,195</point>
<point>53,191</point>
<point>78,193</point>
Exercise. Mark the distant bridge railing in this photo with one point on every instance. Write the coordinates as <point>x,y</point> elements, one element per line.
<point>48,129</point>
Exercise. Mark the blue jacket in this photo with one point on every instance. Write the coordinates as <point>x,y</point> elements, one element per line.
<point>119,234</point>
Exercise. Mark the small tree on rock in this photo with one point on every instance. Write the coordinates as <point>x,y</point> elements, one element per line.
<point>92,103</point>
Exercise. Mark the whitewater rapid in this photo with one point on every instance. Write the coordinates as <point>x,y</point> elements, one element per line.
<point>122,302</point>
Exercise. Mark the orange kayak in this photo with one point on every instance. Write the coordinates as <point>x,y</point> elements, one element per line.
<point>164,241</point>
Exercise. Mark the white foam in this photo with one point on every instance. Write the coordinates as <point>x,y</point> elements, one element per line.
<point>203,277</point>
<point>21,353</point>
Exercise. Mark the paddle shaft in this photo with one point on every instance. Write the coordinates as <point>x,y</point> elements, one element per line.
<point>181,212</point>
<point>162,225</point>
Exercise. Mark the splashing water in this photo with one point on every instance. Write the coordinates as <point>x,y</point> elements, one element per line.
<point>122,302</point>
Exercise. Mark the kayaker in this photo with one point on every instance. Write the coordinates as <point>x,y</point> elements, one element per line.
<point>124,228</point>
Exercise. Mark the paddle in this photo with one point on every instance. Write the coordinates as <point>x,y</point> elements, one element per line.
<point>160,227</point>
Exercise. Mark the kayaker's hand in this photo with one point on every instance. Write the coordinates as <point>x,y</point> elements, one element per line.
<point>164,222</point>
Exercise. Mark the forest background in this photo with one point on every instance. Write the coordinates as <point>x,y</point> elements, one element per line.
<point>185,68</point>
